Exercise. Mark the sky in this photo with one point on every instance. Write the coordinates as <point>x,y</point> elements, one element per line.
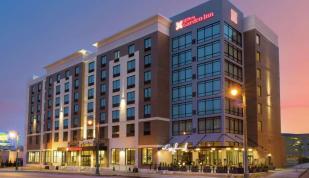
<point>34,33</point>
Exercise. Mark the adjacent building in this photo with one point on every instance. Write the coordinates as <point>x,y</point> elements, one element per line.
<point>297,148</point>
<point>158,92</point>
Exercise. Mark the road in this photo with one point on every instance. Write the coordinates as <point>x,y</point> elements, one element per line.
<point>46,175</point>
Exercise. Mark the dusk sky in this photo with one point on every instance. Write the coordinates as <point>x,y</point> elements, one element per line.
<point>34,33</point>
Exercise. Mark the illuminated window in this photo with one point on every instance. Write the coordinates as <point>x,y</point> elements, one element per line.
<point>258,56</point>
<point>146,156</point>
<point>259,90</point>
<point>115,156</point>
<point>116,54</point>
<point>130,156</point>
<point>181,127</point>
<point>258,74</point>
<point>130,130</point>
<point>257,39</point>
<point>259,108</point>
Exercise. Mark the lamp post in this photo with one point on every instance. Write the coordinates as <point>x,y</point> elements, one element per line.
<point>234,92</point>
<point>97,142</point>
<point>14,135</point>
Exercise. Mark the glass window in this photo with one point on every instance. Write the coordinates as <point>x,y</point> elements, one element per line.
<point>116,100</point>
<point>234,126</point>
<point>233,70</point>
<point>232,34</point>
<point>209,106</point>
<point>182,58</point>
<point>209,32</point>
<point>103,60</point>
<point>147,43</point>
<point>115,153</point>
<point>146,156</point>
<point>57,89</point>
<point>56,137</point>
<point>58,77</point>
<point>91,67</point>
<point>66,111</point>
<point>65,136</point>
<point>182,41</point>
<point>102,117</point>
<point>67,74</point>
<point>103,88</point>
<point>57,113</point>
<point>147,128</point>
<point>147,76</point>
<point>232,52</point>
<point>77,70</point>
<point>131,81</point>
<point>90,107</point>
<point>116,85</point>
<point>76,83</point>
<point>116,70</point>
<point>90,93</point>
<point>233,107</point>
<point>147,60</point>
<point>103,74</point>
<point>90,80</point>
<point>147,110</point>
<point>131,49</point>
<point>102,103</point>
<point>147,93</point>
<point>182,92</point>
<point>258,56</point>
<point>130,130</point>
<point>182,75</point>
<point>209,87</point>
<point>130,156</point>
<point>259,90</point>
<point>181,110</point>
<point>115,116</point>
<point>131,113</point>
<point>65,123</point>
<point>66,86</point>
<point>131,66</point>
<point>257,39</point>
<point>209,125</point>
<point>182,127</point>
<point>76,96</point>
<point>57,101</point>
<point>56,124</point>
<point>116,54</point>
<point>131,97</point>
<point>208,51</point>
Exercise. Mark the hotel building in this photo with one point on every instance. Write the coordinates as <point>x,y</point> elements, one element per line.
<point>158,92</point>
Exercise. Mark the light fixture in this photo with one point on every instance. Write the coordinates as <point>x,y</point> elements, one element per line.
<point>96,44</point>
<point>83,51</point>
<point>89,122</point>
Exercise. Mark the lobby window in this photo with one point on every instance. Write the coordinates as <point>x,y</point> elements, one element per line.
<point>182,75</point>
<point>147,77</point>
<point>116,100</point>
<point>76,83</point>
<point>146,156</point>
<point>90,80</point>
<point>57,89</point>
<point>182,58</point>
<point>233,70</point>
<point>147,43</point>
<point>182,92</point>
<point>116,85</point>
<point>258,74</point>
<point>257,39</point>
<point>131,66</point>
<point>115,155</point>
<point>131,97</point>
<point>102,103</point>
<point>259,108</point>
<point>56,125</point>
<point>57,101</point>
<point>66,111</point>
<point>209,125</point>
<point>66,87</point>
<point>103,75</point>
<point>131,50</point>
<point>76,96</point>
<point>90,93</point>
<point>56,137</point>
<point>147,94</point>
<point>91,67</point>
<point>131,113</point>
<point>77,70</point>
<point>130,130</point>
<point>181,110</point>
<point>103,88</point>
<point>117,54</point>
<point>115,116</point>
<point>103,61</point>
<point>116,70</point>
<point>65,136</point>
<point>208,51</point>
<point>232,52</point>
<point>65,123</point>
<point>147,60</point>
<point>209,87</point>
<point>259,90</point>
<point>115,131</point>
<point>131,81</point>
<point>182,127</point>
<point>147,128</point>
<point>130,156</point>
<point>209,32</point>
<point>258,56</point>
<point>182,41</point>
<point>232,34</point>
<point>233,107</point>
<point>102,117</point>
<point>209,106</point>
<point>90,107</point>
<point>147,110</point>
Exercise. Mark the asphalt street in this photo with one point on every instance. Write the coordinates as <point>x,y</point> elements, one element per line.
<point>47,175</point>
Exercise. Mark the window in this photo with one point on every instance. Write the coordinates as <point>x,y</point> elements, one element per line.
<point>182,92</point>
<point>209,32</point>
<point>131,97</point>
<point>233,107</point>
<point>182,41</point>
<point>116,100</point>
<point>49,103</point>
<point>103,88</point>
<point>147,93</point>
<point>182,58</point>
<point>147,128</point>
<point>76,83</point>
<point>258,56</point>
<point>147,77</point>
<point>259,126</point>
<point>208,51</point>
<point>259,108</point>
<point>116,85</point>
<point>209,125</point>
<point>50,81</point>
<point>90,67</point>
<point>130,130</point>
<point>234,126</point>
<point>90,107</point>
<point>115,156</point>
<point>117,54</point>
<point>90,93</point>
<point>147,110</point>
<point>209,106</point>
<point>76,96</point>
<point>257,39</point>
<point>131,50</point>
<point>77,71</point>
<point>130,156</point>
<point>102,103</point>
<point>57,89</point>
<point>116,70</point>
<point>39,87</point>
<point>182,127</point>
<point>131,81</point>
<point>65,136</point>
<point>258,74</point>
<point>115,116</point>
<point>102,117</point>
<point>181,110</point>
<point>56,125</point>
<point>66,87</point>
<point>232,34</point>
<point>131,113</point>
<point>65,111</point>
<point>147,60</point>
<point>65,123</point>
<point>115,131</point>
<point>90,80</point>
<point>103,75</point>
<point>74,135</point>
<point>76,122</point>
<point>58,78</point>
<point>209,69</point>
<point>57,101</point>
<point>259,90</point>
<point>182,75</point>
<point>56,137</point>
<point>147,43</point>
<point>146,156</point>
<point>232,52</point>
<point>89,133</point>
<point>103,61</point>
<point>131,66</point>
<point>209,87</point>
<point>67,74</point>
<point>233,70</point>
<point>57,113</point>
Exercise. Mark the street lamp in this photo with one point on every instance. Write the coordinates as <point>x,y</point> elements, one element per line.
<point>234,92</point>
<point>14,135</point>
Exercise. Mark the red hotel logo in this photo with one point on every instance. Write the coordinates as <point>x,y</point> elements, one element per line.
<point>193,20</point>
